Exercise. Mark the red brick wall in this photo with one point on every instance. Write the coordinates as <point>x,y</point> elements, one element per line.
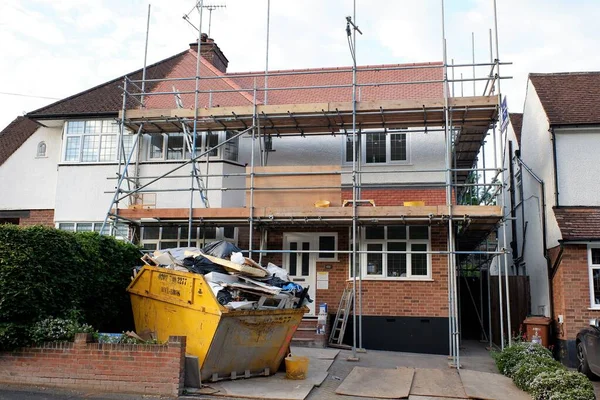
<point>571,292</point>
<point>397,197</point>
<point>380,297</point>
<point>128,368</point>
<point>38,217</point>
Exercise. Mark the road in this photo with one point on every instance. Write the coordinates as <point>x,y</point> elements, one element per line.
<point>39,393</point>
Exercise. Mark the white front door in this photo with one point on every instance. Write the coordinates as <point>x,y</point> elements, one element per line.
<point>301,266</point>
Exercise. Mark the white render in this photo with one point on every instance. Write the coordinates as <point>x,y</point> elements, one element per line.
<point>28,181</point>
<point>578,166</point>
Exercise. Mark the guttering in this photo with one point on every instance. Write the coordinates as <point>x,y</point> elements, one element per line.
<point>74,115</point>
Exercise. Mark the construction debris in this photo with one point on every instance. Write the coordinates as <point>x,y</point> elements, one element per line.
<point>238,282</point>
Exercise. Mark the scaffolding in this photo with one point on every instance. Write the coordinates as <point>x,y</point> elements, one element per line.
<point>466,122</point>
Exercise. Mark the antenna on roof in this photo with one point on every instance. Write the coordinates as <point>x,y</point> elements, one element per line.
<point>211,8</point>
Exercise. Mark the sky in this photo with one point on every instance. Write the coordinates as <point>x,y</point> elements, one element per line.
<point>51,49</point>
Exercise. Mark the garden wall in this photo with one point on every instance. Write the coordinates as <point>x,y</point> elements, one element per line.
<point>156,369</point>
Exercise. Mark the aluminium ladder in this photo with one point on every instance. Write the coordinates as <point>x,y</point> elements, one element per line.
<point>336,337</point>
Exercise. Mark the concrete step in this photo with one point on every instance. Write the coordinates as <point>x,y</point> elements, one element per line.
<point>308,342</point>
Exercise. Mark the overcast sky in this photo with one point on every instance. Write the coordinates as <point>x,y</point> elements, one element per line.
<point>56,48</point>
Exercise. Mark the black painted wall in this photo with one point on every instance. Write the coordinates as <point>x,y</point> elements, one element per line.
<point>408,334</point>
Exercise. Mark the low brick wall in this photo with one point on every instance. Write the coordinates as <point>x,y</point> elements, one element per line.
<point>126,368</point>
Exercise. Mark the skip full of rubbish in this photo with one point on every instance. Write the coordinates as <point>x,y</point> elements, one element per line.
<point>238,282</point>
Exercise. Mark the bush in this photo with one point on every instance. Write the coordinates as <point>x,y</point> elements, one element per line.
<point>530,367</point>
<point>58,329</point>
<point>510,357</point>
<point>533,369</point>
<point>562,385</point>
<point>45,272</point>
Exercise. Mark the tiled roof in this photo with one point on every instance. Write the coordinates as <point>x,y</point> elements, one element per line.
<point>569,98</point>
<point>516,120</point>
<point>328,77</point>
<point>578,223</point>
<point>14,135</point>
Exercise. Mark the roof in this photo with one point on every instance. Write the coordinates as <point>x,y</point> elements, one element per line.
<point>569,98</point>
<point>578,223</point>
<point>14,135</point>
<point>516,120</point>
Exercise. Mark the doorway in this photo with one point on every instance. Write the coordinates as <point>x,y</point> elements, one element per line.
<point>300,264</point>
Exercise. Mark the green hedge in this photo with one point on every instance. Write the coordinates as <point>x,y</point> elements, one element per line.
<point>46,272</point>
<point>534,370</point>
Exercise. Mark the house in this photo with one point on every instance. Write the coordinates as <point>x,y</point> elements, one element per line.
<point>557,183</point>
<point>266,152</point>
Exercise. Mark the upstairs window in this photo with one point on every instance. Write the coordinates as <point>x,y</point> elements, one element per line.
<point>380,148</point>
<point>175,146</point>
<point>93,141</point>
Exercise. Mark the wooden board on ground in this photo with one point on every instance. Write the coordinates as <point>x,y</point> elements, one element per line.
<point>487,386</point>
<point>275,387</point>
<point>312,352</point>
<point>414,397</point>
<point>377,383</point>
<point>437,382</point>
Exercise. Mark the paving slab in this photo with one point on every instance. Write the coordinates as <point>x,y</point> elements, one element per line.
<point>442,383</point>
<point>312,352</point>
<point>275,387</point>
<point>413,397</point>
<point>487,386</point>
<point>377,383</point>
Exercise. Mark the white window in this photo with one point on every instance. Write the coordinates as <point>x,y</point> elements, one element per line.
<point>174,146</point>
<point>121,231</point>
<point>155,237</point>
<point>93,141</point>
<point>41,150</point>
<point>380,148</point>
<point>396,252</point>
<point>594,264</point>
<point>327,247</point>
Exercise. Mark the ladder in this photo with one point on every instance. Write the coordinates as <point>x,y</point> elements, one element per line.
<point>188,137</point>
<point>341,317</point>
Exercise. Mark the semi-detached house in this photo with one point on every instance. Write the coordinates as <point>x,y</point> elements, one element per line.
<point>61,165</point>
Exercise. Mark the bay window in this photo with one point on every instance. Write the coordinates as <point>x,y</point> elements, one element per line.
<point>594,273</point>
<point>174,146</point>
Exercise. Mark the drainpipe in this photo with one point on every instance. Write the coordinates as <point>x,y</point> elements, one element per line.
<point>513,213</point>
<point>555,165</point>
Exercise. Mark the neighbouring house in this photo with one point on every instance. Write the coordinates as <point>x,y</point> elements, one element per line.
<point>558,217</point>
<point>270,150</point>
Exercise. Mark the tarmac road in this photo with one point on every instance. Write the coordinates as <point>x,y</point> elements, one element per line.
<point>39,393</point>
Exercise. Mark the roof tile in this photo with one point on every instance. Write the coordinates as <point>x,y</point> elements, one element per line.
<point>578,223</point>
<point>14,135</point>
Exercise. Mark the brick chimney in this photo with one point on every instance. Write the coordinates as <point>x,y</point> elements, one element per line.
<point>211,52</point>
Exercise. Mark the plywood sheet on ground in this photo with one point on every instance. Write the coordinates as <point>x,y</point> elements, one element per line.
<point>412,397</point>
<point>437,382</point>
<point>377,383</point>
<point>487,386</point>
<point>311,352</point>
<point>275,387</point>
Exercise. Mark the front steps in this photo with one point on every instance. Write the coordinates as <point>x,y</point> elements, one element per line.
<point>306,334</point>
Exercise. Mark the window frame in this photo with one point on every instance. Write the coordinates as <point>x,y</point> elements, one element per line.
<point>384,242</point>
<point>202,143</point>
<point>388,148</point>
<point>181,239</point>
<point>335,257</point>
<point>96,226</point>
<point>103,132</point>
<point>591,268</point>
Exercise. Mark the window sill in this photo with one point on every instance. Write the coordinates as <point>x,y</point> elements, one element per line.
<point>424,279</point>
<point>593,308</point>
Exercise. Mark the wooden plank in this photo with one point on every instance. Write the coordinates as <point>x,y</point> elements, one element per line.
<point>377,383</point>
<point>437,382</point>
<point>487,386</point>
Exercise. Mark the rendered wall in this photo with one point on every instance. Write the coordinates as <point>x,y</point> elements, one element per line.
<point>28,181</point>
<point>536,152</point>
<point>577,156</point>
